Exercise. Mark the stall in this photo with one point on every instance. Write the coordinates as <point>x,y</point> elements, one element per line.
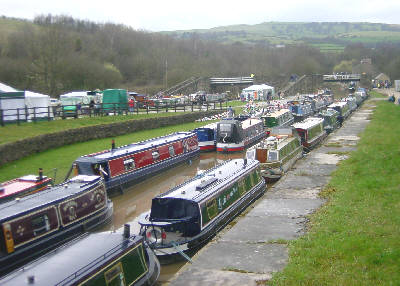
<point>259,92</point>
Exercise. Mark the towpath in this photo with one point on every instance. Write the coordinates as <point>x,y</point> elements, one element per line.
<point>254,246</point>
<point>389,92</point>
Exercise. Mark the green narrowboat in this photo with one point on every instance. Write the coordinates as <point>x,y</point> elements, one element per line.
<point>330,117</point>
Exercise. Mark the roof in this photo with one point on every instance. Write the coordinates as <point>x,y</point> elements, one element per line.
<point>55,194</point>
<point>210,181</point>
<point>277,113</point>
<point>308,123</point>
<point>72,257</point>
<point>134,147</point>
<point>257,87</point>
<point>210,126</point>
<point>340,104</point>
<point>6,88</point>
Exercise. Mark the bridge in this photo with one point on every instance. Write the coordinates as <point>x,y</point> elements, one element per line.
<point>341,77</point>
<point>244,80</point>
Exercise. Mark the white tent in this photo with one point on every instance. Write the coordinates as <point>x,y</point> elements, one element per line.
<point>6,88</point>
<point>38,105</point>
<point>258,92</point>
<point>12,104</point>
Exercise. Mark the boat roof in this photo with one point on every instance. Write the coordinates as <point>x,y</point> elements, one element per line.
<point>72,261</point>
<point>340,104</point>
<point>281,140</point>
<point>308,123</point>
<point>134,147</point>
<point>210,126</point>
<point>277,113</point>
<point>27,204</point>
<point>20,184</point>
<point>208,182</point>
<point>328,112</point>
<point>250,122</point>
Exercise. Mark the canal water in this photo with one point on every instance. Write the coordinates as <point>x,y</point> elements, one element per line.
<point>137,199</point>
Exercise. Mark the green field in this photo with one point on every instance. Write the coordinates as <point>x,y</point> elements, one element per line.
<point>354,238</point>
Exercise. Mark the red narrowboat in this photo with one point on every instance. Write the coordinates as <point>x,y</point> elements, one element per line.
<point>35,224</point>
<point>123,166</point>
<point>23,186</point>
<point>311,132</point>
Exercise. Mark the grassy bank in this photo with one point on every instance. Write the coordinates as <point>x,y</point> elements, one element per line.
<point>62,158</point>
<point>354,238</point>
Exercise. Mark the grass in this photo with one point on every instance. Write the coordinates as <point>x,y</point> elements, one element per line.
<point>354,238</point>
<point>62,158</point>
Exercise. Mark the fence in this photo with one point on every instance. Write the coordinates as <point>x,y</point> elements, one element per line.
<point>48,113</point>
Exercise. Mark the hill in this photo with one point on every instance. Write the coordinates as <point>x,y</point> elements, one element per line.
<point>327,36</point>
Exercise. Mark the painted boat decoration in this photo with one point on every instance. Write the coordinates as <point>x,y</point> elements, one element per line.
<point>311,132</point>
<point>330,117</point>
<point>117,260</point>
<point>235,135</point>
<point>343,108</point>
<point>277,153</point>
<point>123,166</point>
<point>23,186</point>
<point>300,110</point>
<point>184,218</point>
<point>206,137</point>
<point>35,224</point>
<point>277,119</point>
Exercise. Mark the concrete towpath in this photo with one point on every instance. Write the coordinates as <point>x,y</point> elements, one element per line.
<point>254,245</point>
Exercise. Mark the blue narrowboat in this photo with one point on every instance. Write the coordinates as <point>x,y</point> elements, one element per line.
<point>123,166</point>
<point>235,135</point>
<point>184,218</point>
<point>206,137</point>
<point>105,258</point>
<point>300,110</point>
<point>35,224</point>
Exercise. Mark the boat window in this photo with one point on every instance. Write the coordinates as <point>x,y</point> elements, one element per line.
<point>129,164</point>
<point>212,209</point>
<point>115,275</point>
<point>40,224</point>
<point>156,155</point>
<point>225,127</point>
<point>172,209</point>
<point>272,156</point>
<point>171,151</point>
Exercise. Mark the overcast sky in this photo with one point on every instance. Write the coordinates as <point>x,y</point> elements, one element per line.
<point>168,15</point>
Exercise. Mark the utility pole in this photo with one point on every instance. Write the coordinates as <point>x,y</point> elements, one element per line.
<point>166,73</point>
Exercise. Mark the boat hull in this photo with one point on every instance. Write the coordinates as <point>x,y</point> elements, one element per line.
<point>233,147</point>
<point>207,146</point>
<point>167,255</point>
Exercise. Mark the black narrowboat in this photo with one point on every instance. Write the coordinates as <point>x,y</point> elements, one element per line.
<point>186,217</point>
<point>105,258</point>
<point>35,224</point>
<point>123,166</point>
<point>234,135</point>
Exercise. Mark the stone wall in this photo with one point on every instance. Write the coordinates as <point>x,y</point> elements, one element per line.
<point>16,150</point>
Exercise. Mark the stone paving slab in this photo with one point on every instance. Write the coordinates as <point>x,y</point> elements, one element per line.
<point>293,181</point>
<point>281,193</point>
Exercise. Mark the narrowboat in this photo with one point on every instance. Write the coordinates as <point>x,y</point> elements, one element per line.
<point>234,135</point>
<point>206,137</point>
<point>330,117</point>
<point>34,224</point>
<point>343,108</point>
<point>104,258</point>
<point>23,186</point>
<point>351,101</point>
<point>277,153</point>
<point>276,119</point>
<point>311,132</point>
<point>300,110</point>
<point>123,166</point>
<point>186,217</point>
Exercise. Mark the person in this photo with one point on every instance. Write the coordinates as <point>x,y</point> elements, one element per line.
<point>91,107</point>
<point>131,104</point>
<point>230,111</point>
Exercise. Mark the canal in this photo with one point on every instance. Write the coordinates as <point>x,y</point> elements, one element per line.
<point>137,199</point>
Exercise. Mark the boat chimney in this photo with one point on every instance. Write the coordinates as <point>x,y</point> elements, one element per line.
<point>40,174</point>
<point>112,144</point>
<point>244,162</point>
<point>1,189</point>
<point>31,279</point>
<point>127,230</point>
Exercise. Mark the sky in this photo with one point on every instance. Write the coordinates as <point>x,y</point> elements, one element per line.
<point>170,15</point>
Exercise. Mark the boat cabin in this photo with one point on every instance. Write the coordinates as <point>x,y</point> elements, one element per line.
<point>121,167</point>
<point>84,261</point>
<point>206,136</point>
<point>343,108</point>
<point>33,224</point>
<point>311,131</point>
<point>300,110</point>
<point>278,118</point>
<point>330,117</point>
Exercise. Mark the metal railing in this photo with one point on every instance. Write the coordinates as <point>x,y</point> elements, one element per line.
<point>35,114</point>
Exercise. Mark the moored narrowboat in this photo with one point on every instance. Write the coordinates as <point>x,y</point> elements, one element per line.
<point>343,108</point>
<point>234,135</point>
<point>300,110</point>
<point>330,117</point>
<point>23,186</point>
<point>277,153</point>
<point>277,119</point>
<point>123,166</point>
<point>311,132</point>
<point>32,225</point>
<point>105,258</point>
<point>206,137</point>
<point>184,218</point>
